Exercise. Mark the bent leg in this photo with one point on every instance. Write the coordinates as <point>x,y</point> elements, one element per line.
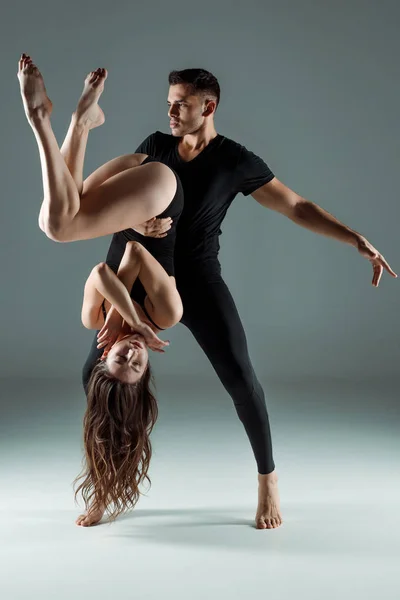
<point>124,200</point>
<point>87,116</point>
<point>211,315</point>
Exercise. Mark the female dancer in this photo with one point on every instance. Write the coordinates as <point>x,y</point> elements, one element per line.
<point>129,298</point>
<point>121,410</point>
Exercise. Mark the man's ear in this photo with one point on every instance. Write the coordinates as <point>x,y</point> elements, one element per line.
<point>210,108</point>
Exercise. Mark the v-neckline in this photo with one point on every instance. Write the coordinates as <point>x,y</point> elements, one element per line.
<point>189,162</point>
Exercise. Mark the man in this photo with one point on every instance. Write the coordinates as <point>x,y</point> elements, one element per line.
<point>213,170</point>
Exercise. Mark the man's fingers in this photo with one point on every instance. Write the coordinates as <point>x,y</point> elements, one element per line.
<point>387,267</point>
<point>378,270</point>
<point>164,224</point>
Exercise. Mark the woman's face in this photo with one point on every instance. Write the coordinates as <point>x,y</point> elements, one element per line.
<point>127,360</point>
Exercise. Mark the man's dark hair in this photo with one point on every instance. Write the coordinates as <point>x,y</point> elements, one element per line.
<point>201,81</point>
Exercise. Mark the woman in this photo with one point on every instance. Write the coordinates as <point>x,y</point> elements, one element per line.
<point>129,298</point>
<point>121,409</point>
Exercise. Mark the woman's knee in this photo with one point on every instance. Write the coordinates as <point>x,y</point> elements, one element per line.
<point>55,228</point>
<point>53,232</point>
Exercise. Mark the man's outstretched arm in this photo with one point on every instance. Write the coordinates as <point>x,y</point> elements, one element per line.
<point>277,196</point>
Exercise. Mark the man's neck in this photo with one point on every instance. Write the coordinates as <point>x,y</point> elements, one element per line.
<point>195,142</point>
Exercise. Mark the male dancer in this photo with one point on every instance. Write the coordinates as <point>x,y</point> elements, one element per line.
<point>213,169</point>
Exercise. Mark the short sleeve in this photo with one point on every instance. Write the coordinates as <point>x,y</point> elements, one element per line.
<point>148,145</point>
<point>253,172</point>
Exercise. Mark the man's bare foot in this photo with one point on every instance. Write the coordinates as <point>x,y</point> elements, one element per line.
<point>88,112</point>
<point>36,102</point>
<point>92,517</point>
<point>268,511</point>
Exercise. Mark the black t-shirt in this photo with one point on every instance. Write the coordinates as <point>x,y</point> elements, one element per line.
<point>210,183</point>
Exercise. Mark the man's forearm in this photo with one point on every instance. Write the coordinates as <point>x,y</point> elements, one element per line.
<point>113,290</point>
<point>313,217</point>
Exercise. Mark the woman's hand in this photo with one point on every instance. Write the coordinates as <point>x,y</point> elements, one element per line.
<point>115,325</point>
<point>110,331</point>
<point>151,338</point>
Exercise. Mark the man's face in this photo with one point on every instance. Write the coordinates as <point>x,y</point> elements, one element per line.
<point>185,110</point>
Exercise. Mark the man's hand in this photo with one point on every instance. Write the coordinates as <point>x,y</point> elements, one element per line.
<point>377,260</point>
<point>154,227</point>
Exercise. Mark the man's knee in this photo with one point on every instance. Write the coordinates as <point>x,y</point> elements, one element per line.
<point>237,378</point>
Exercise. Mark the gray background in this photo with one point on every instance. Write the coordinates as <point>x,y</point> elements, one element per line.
<point>313,88</point>
<point>314,91</point>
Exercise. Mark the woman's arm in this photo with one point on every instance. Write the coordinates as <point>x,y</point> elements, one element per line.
<point>112,289</point>
<point>101,284</point>
<point>92,315</point>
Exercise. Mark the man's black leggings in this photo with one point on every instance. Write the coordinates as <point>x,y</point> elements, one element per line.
<point>211,315</point>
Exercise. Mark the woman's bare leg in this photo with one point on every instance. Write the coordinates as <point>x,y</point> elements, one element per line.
<point>127,199</point>
<point>60,192</point>
<point>87,116</point>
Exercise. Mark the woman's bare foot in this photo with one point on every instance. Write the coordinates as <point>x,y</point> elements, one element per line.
<point>37,104</point>
<point>268,511</point>
<point>88,112</point>
<point>92,517</point>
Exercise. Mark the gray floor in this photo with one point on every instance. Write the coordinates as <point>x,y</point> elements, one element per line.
<point>192,535</point>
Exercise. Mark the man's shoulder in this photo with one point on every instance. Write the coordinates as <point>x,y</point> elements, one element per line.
<point>231,152</point>
<point>157,138</point>
<point>165,138</point>
<point>231,147</point>
<point>235,146</point>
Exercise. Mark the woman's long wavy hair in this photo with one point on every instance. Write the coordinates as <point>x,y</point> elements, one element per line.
<point>116,427</point>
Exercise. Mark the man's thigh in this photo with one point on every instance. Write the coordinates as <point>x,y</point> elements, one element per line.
<point>210,313</point>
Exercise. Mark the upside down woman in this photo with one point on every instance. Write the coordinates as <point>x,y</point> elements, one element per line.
<point>129,298</point>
